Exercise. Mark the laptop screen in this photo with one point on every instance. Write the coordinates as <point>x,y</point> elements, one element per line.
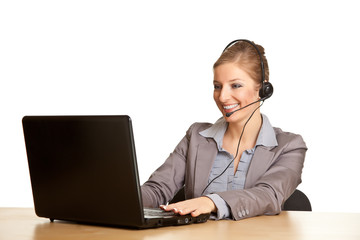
<point>83,168</point>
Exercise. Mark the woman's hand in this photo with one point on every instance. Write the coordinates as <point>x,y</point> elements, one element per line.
<point>194,206</point>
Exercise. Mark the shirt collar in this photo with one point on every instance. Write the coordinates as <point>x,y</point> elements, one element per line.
<point>266,137</point>
<point>216,131</point>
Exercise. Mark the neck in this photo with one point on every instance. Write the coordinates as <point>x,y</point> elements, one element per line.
<point>251,131</point>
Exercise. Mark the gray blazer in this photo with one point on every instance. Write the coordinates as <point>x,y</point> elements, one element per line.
<point>273,175</point>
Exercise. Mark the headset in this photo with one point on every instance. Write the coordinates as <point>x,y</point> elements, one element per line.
<point>266,89</point>
<point>265,92</point>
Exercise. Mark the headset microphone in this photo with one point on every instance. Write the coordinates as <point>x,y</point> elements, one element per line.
<point>261,99</point>
<point>230,113</point>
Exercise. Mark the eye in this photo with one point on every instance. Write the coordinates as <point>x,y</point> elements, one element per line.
<point>217,87</point>
<point>236,85</point>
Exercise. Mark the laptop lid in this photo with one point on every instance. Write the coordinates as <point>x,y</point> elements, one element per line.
<point>83,168</point>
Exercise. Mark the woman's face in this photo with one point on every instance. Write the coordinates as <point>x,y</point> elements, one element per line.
<point>233,89</point>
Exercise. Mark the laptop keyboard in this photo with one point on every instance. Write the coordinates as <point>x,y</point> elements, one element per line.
<point>157,212</point>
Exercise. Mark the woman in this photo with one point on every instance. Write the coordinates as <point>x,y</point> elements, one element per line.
<point>240,166</point>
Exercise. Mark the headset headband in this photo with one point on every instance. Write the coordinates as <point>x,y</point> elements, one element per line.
<point>258,51</point>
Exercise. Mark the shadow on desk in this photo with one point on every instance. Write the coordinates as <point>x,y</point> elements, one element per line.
<point>254,228</point>
<point>19,223</point>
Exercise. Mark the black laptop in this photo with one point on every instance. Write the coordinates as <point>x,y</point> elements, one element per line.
<point>83,169</point>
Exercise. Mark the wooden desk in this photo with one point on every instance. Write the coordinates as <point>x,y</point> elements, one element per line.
<point>23,224</point>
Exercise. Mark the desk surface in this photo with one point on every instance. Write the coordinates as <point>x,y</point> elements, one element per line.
<point>22,223</point>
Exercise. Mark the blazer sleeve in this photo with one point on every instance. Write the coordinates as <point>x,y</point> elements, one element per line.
<point>268,193</point>
<point>169,178</point>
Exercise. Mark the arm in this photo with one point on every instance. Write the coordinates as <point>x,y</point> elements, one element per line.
<point>270,190</point>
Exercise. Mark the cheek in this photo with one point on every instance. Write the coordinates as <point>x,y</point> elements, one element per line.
<point>216,99</point>
<point>216,96</point>
<point>248,96</point>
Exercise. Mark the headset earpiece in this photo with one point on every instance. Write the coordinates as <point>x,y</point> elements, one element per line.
<point>266,90</point>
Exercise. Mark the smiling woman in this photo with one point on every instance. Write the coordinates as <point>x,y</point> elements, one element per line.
<point>240,166</point>
<point>233,89</point>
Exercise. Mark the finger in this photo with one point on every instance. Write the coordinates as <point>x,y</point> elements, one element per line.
<point>166,207</point>
<point>170,207</point>
<point>195,213</point>
<point>186,210</point>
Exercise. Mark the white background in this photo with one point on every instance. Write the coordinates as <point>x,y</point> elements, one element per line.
<point>153,61</point>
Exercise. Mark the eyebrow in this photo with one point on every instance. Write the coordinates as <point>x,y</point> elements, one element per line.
<point>232,80</point>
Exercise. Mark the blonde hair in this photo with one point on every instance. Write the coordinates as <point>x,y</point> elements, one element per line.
<point>247,58</point>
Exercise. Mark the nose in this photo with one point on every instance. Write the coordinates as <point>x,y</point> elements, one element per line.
<point>224,95</point>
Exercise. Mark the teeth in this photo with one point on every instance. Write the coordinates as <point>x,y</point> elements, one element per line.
<point>230,106</point>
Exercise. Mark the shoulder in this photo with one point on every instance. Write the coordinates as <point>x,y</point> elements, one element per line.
<point>289,139</point>
<point>192,138</point>
<point>197,127</point>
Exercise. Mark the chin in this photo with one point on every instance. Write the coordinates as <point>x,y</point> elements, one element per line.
<point>236,117</point>
<point>232,118</point>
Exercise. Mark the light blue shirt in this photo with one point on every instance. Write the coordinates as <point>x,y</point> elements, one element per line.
<point>229,180</point>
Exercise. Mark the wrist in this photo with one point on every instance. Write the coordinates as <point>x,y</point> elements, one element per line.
<point>211,204</point>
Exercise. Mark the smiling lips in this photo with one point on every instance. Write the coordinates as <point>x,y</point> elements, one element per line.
<point>229,108</point>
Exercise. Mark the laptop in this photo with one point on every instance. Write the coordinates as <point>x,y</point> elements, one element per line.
<point>83,169</point>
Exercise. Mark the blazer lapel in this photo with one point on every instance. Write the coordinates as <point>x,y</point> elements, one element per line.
<point>206,154</point>
<point>260,162</point>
